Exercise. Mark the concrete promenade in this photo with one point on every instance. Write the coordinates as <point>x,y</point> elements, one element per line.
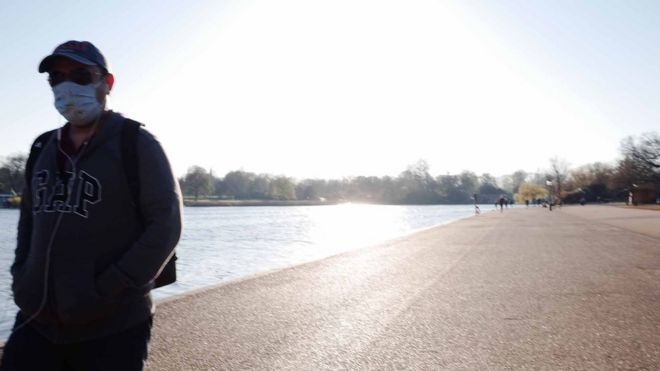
<point>575,288</point>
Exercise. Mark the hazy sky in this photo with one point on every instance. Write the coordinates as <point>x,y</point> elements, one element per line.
<point>338,88</point>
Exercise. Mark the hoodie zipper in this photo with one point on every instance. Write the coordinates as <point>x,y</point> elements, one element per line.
<point>73,161</point>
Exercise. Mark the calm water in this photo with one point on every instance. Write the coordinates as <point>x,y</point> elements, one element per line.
<point>225,243</point>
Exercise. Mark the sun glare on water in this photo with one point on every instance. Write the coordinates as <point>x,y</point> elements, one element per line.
<point>355,225</point>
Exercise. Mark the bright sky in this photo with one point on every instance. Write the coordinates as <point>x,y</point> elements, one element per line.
<point>338,88</point>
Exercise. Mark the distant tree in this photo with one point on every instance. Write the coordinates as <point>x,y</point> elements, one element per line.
<point>488,179</point>
<point>531,192</point>
<point>219,188</point>
<point>643,157</point>
<point>558,174</point>
<point>282,188</point>
<point>4,180</point>
<point>517,178</point>
<point>259,187</point>
<point>334,190</point>
<point>451,190</point>
<point>488,190</point>
<point>469,182</point>
<point>638,165</point>
<point>592,181</point>
<point>391,190</point>
<point>417,185</point>
<point>538,178</point>
<point>625,177</point>
<point>236,184</point>
<point>506,182</point>
<point>364,189</point>
<point>197,181</point>
<point>488,185</point>
<point>511,182</point>
<point>12,176</point>
<point>311,189</point>
<point>601,172</point>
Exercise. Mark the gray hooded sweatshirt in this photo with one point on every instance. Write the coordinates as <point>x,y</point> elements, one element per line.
<point>85,263</point>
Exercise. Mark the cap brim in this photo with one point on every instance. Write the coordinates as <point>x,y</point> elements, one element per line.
<point>46,63</point>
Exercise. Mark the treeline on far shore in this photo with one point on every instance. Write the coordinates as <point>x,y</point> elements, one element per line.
<point>636,172</point>
<point>634,177</point>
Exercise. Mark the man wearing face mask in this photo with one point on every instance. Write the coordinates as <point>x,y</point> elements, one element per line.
<point>88,250</point>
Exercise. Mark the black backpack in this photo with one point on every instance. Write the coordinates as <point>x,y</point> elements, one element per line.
<point>129,135</point>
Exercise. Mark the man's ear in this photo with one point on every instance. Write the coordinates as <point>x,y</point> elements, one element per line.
<point>110,81</point>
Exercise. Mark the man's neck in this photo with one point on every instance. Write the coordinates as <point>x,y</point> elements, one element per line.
<point>81,134</point>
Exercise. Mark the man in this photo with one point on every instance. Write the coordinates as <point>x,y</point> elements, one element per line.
<point>88,252</point>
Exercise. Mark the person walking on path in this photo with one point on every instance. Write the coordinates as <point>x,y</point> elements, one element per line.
<point>88,250</point>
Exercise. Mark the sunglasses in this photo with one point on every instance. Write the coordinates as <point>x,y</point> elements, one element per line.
<point>81,76</point>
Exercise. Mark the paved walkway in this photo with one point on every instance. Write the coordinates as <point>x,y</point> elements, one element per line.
<point>575,288</point>
<point>644,221</point>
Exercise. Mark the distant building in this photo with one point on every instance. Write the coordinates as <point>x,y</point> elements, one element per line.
<point>8,200</point>
<point>648,193</point>
<point>4,198</point>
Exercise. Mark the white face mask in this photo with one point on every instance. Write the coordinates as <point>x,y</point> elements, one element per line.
<point>77,103</point>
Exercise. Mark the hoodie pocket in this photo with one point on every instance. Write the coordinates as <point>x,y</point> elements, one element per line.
<point>22,296</point>
<point>79,303</point>
<point>27,287</point>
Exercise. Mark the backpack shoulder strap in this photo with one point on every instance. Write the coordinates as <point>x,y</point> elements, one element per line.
<point>129,156</point>
<point>35,151</point>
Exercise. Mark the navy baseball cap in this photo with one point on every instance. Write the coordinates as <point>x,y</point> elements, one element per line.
<point>80,51</point>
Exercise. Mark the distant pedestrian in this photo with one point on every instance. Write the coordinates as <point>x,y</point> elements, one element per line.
<point>501,202</point>
<point>477,211</point>
<point>526,203</point>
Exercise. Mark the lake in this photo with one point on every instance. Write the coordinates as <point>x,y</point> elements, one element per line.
<point>226,243</point>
